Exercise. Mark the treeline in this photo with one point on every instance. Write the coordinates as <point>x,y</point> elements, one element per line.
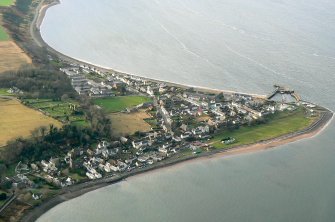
<point>48,142</point>
<point>38,83</point>
<point>12,17</point>
<point>23,5</point>
<point>15,15</point>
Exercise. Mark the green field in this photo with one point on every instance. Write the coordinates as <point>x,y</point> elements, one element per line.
<point>119,103</point>
<point>3,34</point>
<point>60,110</point>
<point>281,124</point>
<point>6,2</point>
<point>3,92</point>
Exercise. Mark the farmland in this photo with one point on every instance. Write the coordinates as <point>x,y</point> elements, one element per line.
<point>127,124</point>
<point>11,56</point>
<point>118,104</point>
<point>17,120</point>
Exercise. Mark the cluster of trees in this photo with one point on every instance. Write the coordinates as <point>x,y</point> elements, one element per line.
<point>15,15</point>
<point>12,17</point>
<point>38,83</point>
<point>23,5</point>
<point>3,196</point>
<point>99,122</point>
<point>48,142</point>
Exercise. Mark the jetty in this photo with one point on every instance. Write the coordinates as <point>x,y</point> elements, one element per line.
<point>284,90</point>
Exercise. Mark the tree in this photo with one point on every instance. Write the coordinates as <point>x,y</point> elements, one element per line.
<point>3,170</point>
<point>3,196</point>
<point>219,98</point>
<point>36,83</point>
<point>23,5</point>
<point>65,97</point>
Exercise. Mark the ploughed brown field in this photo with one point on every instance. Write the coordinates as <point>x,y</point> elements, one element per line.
<point>12,57</point>
<point>17,120</point>
<point>127,124</point>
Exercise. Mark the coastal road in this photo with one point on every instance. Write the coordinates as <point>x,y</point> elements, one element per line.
<point>36,25</point>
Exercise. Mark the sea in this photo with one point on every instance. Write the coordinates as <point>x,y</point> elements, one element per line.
<point>241,45</point>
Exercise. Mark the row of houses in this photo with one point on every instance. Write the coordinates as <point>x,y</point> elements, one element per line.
<point>83,86</point>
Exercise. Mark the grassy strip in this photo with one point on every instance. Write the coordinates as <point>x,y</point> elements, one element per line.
<point>151,121</point>
<point>3,92</point>
<point>119,103</point>
<point>281,124</point>
<point>3,34</point>
<point>7,2</point>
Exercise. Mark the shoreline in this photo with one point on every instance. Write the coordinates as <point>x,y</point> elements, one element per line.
<point>37,37</point>
<point>79,189</point>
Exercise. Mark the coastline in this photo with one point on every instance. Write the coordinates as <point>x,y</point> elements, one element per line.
<point>80,189</point>
<point>37,37</point>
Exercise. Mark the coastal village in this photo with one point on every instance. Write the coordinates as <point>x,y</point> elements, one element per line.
<point>183,122</point>
<point>124,124</point>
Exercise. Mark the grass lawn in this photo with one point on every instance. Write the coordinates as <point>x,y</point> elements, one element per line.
<point>76,177</point>
<point>281,124</point>
<point>6,2</point>
<point>3,34</point>
<point>151,121</point>
<point>119,103</point>
<point>80,123</point>
<point>3,92</point>
<point>59,110</point>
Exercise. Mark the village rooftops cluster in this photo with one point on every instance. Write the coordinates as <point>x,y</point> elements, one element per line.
<point>183,121</point>
<point>83,85</point>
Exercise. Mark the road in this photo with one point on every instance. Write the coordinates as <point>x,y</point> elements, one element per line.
<point>8,202</point>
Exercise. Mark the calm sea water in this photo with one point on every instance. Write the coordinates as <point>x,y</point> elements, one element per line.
<point>228,44</point>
